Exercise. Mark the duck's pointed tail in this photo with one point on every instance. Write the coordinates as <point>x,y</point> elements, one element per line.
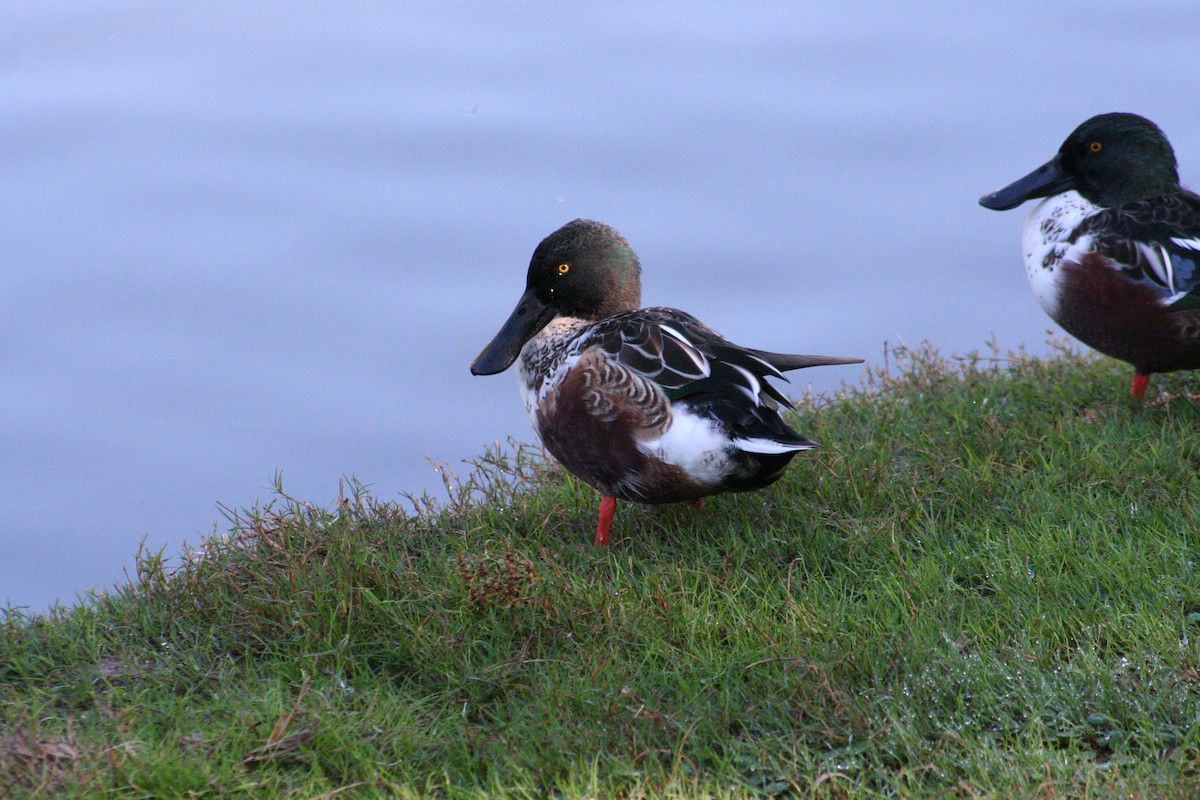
<point>787,361</point>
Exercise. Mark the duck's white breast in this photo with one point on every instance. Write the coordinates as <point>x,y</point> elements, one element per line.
<point>1044,243</point>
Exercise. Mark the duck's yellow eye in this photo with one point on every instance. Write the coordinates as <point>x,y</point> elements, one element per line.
<point>1095,147</point>
<point>563,269</point>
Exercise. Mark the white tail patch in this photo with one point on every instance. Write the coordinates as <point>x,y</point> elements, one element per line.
<point>769,447</point>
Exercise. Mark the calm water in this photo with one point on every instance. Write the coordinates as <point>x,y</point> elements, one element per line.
<point>248,237</point>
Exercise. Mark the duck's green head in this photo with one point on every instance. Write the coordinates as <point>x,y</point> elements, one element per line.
<point>1110,159</point>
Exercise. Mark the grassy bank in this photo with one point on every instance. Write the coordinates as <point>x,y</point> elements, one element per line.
<point>984,584</point>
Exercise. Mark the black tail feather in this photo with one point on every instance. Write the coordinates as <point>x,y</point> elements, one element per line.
<point>787,361</point>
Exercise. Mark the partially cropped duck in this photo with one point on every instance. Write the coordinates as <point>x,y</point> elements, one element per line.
<point>643,404</point>
<point>1113,252</point>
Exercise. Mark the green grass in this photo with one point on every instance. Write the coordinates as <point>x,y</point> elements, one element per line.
<point>985,584</point>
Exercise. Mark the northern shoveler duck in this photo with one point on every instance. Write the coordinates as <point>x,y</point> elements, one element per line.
<point>1113,251</point>
<point>643,404</point>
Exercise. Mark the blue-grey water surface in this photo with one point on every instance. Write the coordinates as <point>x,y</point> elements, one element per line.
<point>242,238</point>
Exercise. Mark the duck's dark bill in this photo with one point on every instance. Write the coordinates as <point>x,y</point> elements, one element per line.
<point>529,317</point>
<point>1044,181</point>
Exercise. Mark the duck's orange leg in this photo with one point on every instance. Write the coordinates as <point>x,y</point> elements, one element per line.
<point>1140,381</point>
<point>608,507</point>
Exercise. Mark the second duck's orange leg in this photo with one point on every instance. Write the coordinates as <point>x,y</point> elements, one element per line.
<point>1140,381</point>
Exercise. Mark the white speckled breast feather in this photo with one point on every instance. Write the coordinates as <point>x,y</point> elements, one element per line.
<point>1044,243</point>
